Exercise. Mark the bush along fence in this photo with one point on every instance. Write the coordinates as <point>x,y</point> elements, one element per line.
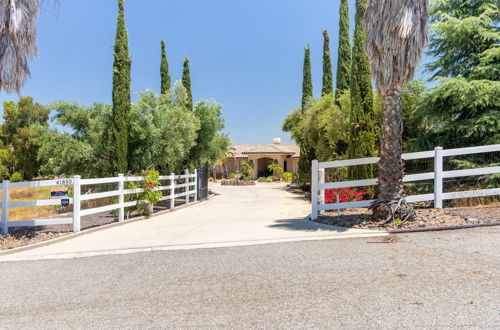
<point>339,195</point>
<point>126,192</point>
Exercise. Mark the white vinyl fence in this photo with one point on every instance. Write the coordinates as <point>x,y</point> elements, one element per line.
<point>318,184</point>
<point>189,184</point>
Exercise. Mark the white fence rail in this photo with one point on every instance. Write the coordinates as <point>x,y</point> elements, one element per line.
<point>188,189</point>
<point>318,184</point>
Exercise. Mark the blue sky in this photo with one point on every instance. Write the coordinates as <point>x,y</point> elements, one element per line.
<point>247,55</point>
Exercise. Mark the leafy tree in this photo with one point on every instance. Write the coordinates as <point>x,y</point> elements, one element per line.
<point>463,109</point>
<point>63,154</point>
<point>395,44</point>
<point>292,124</point>
<point>87,150</point>
<point>344,51</point>
<point>211,144</point>
<point>327,86</point>
<point>186,82</point>
<point>316,131</point>
<point>162,133</point>
<point>5,163</point>
<point>307,85</point>
<point>25,122</point>
<point>164,74</point>
<point>362,127</point>
<point>413,123</point>
<point>121,94</point>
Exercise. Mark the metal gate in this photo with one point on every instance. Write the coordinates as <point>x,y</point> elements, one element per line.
<point>202,186</point>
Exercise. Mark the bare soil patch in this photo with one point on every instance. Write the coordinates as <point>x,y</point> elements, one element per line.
<point>426,218</point>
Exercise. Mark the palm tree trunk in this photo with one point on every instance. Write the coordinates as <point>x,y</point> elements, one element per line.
<point>390,203</point>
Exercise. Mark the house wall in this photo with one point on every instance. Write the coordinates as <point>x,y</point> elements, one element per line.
<point>234,165</point>
<point>256,158</point>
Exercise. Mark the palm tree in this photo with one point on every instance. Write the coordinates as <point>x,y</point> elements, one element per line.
<point>396,36</point>
<point>275,168</point>
<point>18,41</point>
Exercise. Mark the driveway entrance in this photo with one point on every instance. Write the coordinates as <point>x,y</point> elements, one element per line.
<point>246,215</point>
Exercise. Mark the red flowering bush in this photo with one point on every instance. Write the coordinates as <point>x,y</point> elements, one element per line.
<point>345,195</point>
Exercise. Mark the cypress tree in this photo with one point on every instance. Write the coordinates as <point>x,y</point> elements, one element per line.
<point>307,153</point>
<point>362,137</point>
<point>327,66</point>
<point>121,94</point>
<point>186,82</point>
<point>344,51</point>
<point>164,74</point>
<point>307,86</point>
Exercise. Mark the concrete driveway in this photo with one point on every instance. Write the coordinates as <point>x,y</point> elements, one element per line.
<point>265,213</point>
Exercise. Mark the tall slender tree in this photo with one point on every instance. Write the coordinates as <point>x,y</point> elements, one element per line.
<point>362,143</point>
<point>186,82</point>
<point>121,93</point>
<point>397,33</point>
<point>327,87</point>
<point>307,153</point>
<point>307,85</point>
<point>344,51</point>
<point>164,74</point>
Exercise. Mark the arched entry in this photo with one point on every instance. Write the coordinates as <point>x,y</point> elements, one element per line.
<point>261,166</point>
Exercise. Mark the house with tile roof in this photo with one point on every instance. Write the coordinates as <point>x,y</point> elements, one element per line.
<point>261,155</point>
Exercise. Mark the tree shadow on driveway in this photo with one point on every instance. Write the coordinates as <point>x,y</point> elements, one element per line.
<point>303,224</point>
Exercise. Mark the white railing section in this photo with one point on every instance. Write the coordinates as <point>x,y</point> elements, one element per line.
<point>318,184</point>
<point>174,190</point>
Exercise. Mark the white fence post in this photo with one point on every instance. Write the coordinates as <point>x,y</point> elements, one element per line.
<point>321,179</point>
<point>438,178</point>
<point>195,184</point>
<point>76,203</point>
<point>121,198</point>
<point>314,190</point>
<point>5,207</point>
<point>186,172</point>
<point>172,191</point>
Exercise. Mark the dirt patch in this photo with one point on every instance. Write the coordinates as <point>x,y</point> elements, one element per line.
<point>426,218</point>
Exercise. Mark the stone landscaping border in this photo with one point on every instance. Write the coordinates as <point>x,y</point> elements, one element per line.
<point>237,183</point>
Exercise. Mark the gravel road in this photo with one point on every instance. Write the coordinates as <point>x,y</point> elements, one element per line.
<point>438,280</point>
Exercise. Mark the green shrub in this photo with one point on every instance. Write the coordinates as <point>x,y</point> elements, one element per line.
<point>246,177</point>
<point>262,179</point>
<point>149,196</point>
<point>232,176</point>
<point>210,179</point>
<point>269,179</point>
<point>288,176</point>
<point>16,177</point>
<point>273,178</point>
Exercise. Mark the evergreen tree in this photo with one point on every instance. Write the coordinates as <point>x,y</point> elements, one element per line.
<point>362,137</point>
<point>121,94</point>
<point>344,52</point>
<point>327,66</point>
<point>164,74</point>
<point>186,82</point>
<point>463,108</point>
<point>307,86</point>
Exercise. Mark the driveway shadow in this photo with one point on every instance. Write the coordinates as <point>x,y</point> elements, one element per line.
<point>303,224</point>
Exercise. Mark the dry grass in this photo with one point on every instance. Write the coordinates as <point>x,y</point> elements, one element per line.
<point>32,212</point>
